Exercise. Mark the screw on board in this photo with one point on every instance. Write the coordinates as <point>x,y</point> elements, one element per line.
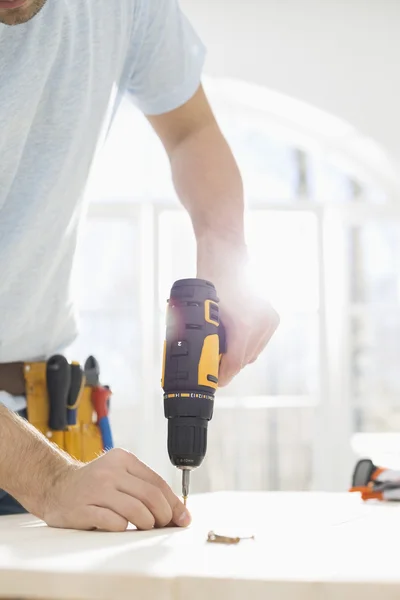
<point>213,538</point>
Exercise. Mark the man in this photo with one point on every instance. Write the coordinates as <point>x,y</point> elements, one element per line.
<point>58,71</point>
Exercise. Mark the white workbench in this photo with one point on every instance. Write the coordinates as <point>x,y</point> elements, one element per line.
<point>307,547</point>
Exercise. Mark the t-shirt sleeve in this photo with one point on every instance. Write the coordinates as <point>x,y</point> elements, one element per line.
<point>166,58</point>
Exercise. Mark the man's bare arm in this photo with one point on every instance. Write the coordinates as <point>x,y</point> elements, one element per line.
<point>29,464</point>
<point>107,493</point>
<point>209,185</point>
<point>206,176</point>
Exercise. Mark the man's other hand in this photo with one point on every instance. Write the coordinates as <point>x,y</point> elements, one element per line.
<point>110,492</point>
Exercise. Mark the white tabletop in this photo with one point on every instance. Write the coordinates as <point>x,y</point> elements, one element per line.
<point>307,546</point>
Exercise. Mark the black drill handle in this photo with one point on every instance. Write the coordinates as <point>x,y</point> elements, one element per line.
<point>195,338</point>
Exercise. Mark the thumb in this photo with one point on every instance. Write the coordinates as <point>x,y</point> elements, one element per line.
<point>180,515</point>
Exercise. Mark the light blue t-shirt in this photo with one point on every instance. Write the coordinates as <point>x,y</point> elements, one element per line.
<point>61,75</point>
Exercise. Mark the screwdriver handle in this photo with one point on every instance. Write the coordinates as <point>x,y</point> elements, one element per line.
<point>58,378</point>
<point>106,435</point>
<point>100,400</point>
<point>75,390</point>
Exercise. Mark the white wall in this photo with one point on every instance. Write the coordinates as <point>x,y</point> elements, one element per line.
<point>342,56</point>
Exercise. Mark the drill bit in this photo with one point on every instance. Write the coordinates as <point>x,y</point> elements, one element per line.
<point>185,484</point>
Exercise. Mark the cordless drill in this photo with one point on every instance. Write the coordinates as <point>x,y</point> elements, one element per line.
<point>194,344</point>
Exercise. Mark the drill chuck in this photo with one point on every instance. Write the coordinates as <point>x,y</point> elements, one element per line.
<point>187,439</point>
<point>193,347</point>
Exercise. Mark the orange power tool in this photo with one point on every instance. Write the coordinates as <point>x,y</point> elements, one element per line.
<point>375,483</point>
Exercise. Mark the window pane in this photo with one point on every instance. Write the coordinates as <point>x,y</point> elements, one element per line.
<point>375,263</point>
<point>283,249</point>
<point>375,338</point>
<point>177,252</point>
<point>328,182</point>
<point>258,449</point>
<point>268,165</point>
<point>375,343</point>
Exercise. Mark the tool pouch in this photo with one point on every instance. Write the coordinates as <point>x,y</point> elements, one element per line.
<point>82,441</point>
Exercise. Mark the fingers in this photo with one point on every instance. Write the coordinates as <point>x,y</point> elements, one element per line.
<point>134,480</point>
<point>98,517</point>
<point>150,495</point>
<point>245,341</point>
<point>111,491</point>
<point>131,509</point>
<point>180,516</point>
<point>232,362</point>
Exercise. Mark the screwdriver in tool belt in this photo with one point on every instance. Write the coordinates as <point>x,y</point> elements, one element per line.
<point>75,390</point>
<point>58,380</point>
<point>100,399</point>
<point>72,437</point>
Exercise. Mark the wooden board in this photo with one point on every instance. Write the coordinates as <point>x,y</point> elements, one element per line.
<point>307,547</point>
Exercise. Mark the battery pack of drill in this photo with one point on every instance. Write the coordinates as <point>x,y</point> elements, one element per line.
<point>194,344</point>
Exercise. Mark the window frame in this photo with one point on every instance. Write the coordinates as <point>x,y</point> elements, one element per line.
<point>332,352</point>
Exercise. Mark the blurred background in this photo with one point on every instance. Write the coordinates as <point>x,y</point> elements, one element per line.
<point>307,94</point>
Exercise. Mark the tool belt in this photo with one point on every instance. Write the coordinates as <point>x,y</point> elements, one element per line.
<point>87,434</point>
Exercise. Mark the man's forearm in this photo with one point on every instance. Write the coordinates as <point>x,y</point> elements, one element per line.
<point>29,464</point>
<point>209,185</point>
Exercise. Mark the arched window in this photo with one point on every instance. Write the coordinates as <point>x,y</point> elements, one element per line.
<point>323,232</point>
